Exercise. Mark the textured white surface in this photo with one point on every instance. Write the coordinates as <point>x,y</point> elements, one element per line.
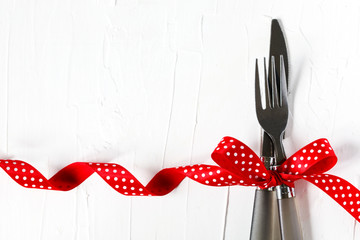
<point>154,84</point>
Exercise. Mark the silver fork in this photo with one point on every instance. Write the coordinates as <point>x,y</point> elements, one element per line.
<point>273,119</point>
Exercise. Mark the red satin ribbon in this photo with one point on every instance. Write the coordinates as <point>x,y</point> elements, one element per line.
<point>238,165</point>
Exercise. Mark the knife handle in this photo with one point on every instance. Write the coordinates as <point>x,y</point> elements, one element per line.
<point>265,221</point>
<point>289,220</point>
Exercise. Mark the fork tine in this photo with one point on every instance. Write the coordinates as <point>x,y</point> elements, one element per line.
<point>257,87</point>
<point>274,92</point>
<point>267,90</point>
<point>283,87</point>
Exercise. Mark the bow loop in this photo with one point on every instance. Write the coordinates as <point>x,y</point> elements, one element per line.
<point>238,158</point>
<point>315,158</point>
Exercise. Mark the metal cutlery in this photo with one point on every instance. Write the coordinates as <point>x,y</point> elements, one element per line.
<point>265,221</point>
<point>273,119</point>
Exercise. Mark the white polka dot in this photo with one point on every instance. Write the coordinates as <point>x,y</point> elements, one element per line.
<point>116,186</point>
<point>24,178</point>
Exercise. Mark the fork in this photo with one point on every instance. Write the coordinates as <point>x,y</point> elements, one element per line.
<point>273,119</point>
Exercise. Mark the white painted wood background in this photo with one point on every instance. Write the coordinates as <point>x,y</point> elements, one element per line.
<point>150,84</point>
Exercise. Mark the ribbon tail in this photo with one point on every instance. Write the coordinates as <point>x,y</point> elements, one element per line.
<point>343,192</point>
<point>118,177</point>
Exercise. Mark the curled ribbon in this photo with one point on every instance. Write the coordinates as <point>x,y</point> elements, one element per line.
<point>238,165</point>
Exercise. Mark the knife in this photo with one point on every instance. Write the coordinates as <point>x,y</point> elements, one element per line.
<point>265,221</point>
<point>289,221</point>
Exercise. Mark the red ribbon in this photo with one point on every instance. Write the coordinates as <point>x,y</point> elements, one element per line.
<point>238,165</point>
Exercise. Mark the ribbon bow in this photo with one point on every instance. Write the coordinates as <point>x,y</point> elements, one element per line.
<point>238,165</point>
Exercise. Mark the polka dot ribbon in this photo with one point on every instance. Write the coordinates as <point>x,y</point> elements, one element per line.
<point>237,165</point>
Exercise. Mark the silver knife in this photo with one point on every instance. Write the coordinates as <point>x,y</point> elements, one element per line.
<point>265,221</point>
<point>289,221</point>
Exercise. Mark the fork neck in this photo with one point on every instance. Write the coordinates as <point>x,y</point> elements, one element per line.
<point>279,152</point>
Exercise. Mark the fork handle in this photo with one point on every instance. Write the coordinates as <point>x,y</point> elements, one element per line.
<point>265,221</point>
<point>289,221</point>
